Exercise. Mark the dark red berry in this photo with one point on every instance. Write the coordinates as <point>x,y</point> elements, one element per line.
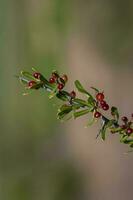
<point>124,119</point>
<point>31,83</point>
<point>37,75</point>
<point>73,94</point>
<point>129,131</point>
<point>105,107</point>
<point>100,96</point>
<point>52,80</point>
<point>102,103</point>
<point>97,114</point>
<point>65,78</point>
<point>132,115</point>
<point>60,86</point>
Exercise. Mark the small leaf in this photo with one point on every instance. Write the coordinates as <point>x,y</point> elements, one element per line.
<point>81,113</point>
<point>126,139</point>
<point>92,121</point>
<point>82,102</point>
<point>63,111</point>
<point>34,69</point>
<point>91,102</point>
<point>63,95</point>
<point>53,93</point>
<point>28,75</point>
<point>102,132</point>
<point>115,113</point>
<point>81,89</point>
<point>96,90</point>
<point>106,124</point>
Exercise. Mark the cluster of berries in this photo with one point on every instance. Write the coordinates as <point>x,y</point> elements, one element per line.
<point>101,103</point>
<point>54,79</point>
<point>126,126</point>
<point>36,75</point>
<point>60,81</point>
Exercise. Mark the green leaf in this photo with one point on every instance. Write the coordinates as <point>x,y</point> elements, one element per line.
<point>106,124</point>
<point>63,95</point>
<point>52,94</point>
<point>81,89</point>
<point>96,90</point>
<point>91,102</point>
<point>81,113</point>
<point>112,124</point>
<point>115,113</point>
<point>126,139</point>
<point>48,86</point>
<point>28,75</point>
<point>34,69</point>
<point>92,121</point>
<point>82,103</point>
<point>63,111</point>
<point>103,133</point>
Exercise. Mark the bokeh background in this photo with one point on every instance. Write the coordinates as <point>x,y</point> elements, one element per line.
<point>41,158</point>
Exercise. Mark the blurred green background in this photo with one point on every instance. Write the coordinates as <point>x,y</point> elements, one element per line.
<point>40,158</point>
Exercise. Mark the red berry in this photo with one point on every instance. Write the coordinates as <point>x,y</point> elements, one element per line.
<point>129,131</point>
<point>97,114</point>
<point>124,119</point>
<point>102,103</point>
<point>37,75</point>
<point>100,96</point>
<point>132,115</point>
<point>31,83</point>
<point>60,86</point>
<point>105,107</point>
<point>65,78</point>
<point>73,94</point>
<point>52,80</point>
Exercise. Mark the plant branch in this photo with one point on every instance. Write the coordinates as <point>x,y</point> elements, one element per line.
<point>77,107</point>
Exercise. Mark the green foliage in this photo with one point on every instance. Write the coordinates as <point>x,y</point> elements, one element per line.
<point>77,107</point>
<point>64,110</point>
<point>115,113</point>
<point>82,90</point>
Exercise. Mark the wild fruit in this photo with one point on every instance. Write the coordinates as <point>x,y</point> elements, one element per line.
<point>129,131</point>
<point>60,86</point>
<point>37,75</point>
<point>97,114</point>
<point>73,94</point>
<point>31,83</point>
<point>52,80</point>
<point>105,107</point>
<point>100,96</point>
<point>124,119</point>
